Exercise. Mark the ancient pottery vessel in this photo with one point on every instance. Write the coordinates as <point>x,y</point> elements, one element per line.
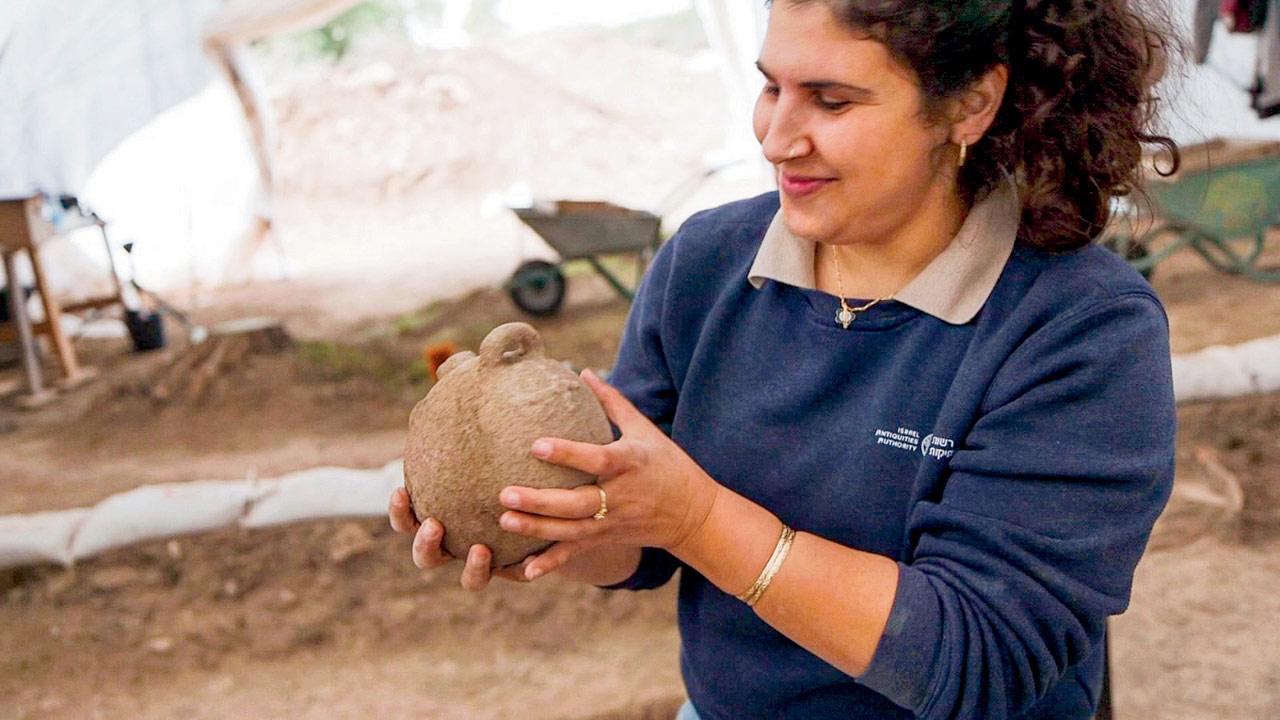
<point>471,436</point>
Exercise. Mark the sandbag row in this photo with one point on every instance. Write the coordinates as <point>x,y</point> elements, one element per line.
<point>153,512</point>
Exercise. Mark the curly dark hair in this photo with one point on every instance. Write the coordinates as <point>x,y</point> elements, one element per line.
<point>1077,110</point>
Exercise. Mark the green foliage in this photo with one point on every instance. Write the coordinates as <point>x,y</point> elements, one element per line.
<point>680,32</point>
<point>335,361</point>
<point>335,38</point>
<point>418,372</point>
<point>414,322</point>
<point>623,267</point>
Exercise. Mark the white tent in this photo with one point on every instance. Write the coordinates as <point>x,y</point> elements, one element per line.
<point>120,106</point>
<point>78,77</point>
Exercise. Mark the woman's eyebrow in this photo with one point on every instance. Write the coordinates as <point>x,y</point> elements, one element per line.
<point>860,93</point>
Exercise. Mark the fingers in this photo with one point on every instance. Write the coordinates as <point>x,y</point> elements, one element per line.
<point>551,559</point>
<point>427,552</point>
<point>616,405</point>
<point>548,528</point>
<point>400,512</point>
<point>514,573</point>
<point>599,460</point>
<point>578,503</point>
<point>475,574</point>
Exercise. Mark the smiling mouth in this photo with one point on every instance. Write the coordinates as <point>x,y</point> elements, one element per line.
<point>800,185</point>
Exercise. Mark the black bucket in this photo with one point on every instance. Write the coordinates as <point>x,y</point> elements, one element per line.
<point>4,301</point>
<point>147,331</point>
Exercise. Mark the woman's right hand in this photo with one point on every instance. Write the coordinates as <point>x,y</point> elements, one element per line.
<point>427,552</point>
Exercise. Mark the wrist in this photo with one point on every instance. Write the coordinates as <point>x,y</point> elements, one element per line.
<point>732,544</point>
<point>698,510</point>
<point>603,565</point>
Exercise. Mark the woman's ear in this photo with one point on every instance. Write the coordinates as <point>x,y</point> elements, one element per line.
<point>976,109</point>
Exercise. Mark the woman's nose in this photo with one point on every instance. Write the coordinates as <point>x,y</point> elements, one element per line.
<point>784,137</point>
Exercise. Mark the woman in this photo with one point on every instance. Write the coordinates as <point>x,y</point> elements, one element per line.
<point>902,426</point>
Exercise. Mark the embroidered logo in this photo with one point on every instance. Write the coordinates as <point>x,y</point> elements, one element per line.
<point>939,448</point>
<point>930,446</point>
<point>902,438</point>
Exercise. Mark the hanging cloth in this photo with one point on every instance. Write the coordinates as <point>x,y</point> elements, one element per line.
<point>1266,91</point>
<point>1243,16</point>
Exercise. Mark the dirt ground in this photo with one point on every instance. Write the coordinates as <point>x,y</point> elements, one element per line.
<point>331,619</point>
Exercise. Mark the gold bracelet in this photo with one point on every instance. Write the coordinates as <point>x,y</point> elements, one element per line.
<point>753,594</point>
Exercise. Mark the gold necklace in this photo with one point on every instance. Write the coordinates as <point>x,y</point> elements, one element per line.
<point>846,315</point>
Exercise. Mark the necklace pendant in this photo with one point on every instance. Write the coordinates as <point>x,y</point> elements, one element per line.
<point>845,316</point>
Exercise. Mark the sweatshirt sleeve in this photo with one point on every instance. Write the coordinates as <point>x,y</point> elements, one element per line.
<point>1033,540</point>
<point>642,374</point>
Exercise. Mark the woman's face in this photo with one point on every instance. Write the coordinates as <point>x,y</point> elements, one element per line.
<point>842,123</point>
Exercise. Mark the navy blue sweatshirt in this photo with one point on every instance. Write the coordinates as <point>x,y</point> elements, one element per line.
<point>1013,465</point>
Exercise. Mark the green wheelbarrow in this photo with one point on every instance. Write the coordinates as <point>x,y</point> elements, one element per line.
<point>581,231</point>
<point>588,230</point>
<point>1222,203</point>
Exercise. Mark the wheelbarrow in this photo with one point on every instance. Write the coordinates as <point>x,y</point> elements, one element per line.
<point>1221,203</point>
<point>581,231</point>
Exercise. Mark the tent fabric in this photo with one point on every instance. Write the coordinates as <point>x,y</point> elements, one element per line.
<point>89,73</point>
<point>111,93</point>
<point>227,36</point>
<point>85,74</point>
<point>236,62</point>
<point>735,31</point>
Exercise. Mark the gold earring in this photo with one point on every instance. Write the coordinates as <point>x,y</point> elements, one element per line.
<point>964,152</point>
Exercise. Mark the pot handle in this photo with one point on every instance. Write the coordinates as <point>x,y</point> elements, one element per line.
<point>510,343</point>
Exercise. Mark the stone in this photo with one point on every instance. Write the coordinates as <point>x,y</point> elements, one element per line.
<point>114,578</point>
<point>59,583</point>
<point>160,645</point>
<point>285,599</point>
<point>349,541</point>
<point>471,436</point>
<point>230,589</point>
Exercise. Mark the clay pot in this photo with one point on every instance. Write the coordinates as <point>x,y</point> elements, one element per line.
<point>471,436</point>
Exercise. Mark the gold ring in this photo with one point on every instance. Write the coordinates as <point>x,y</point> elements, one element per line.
<point>604,505</point>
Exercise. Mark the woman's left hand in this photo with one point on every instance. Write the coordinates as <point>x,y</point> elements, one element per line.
<point>657,496</point>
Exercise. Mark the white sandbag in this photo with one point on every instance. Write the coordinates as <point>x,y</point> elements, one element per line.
<point>151,512</point>
<point>323,493</point>
<point>38,537</point>
<point>1221,371</point>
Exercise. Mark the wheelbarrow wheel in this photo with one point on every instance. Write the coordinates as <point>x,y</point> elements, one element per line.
<point>538,288</point>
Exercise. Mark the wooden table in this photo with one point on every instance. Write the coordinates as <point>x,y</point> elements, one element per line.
<point>24,229</point>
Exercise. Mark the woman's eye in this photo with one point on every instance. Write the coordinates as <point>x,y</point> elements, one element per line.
<point>833,104</point>
<point>771,89</point>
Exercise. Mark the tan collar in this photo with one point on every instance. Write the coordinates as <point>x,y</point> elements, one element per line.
<point>953,287</point>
